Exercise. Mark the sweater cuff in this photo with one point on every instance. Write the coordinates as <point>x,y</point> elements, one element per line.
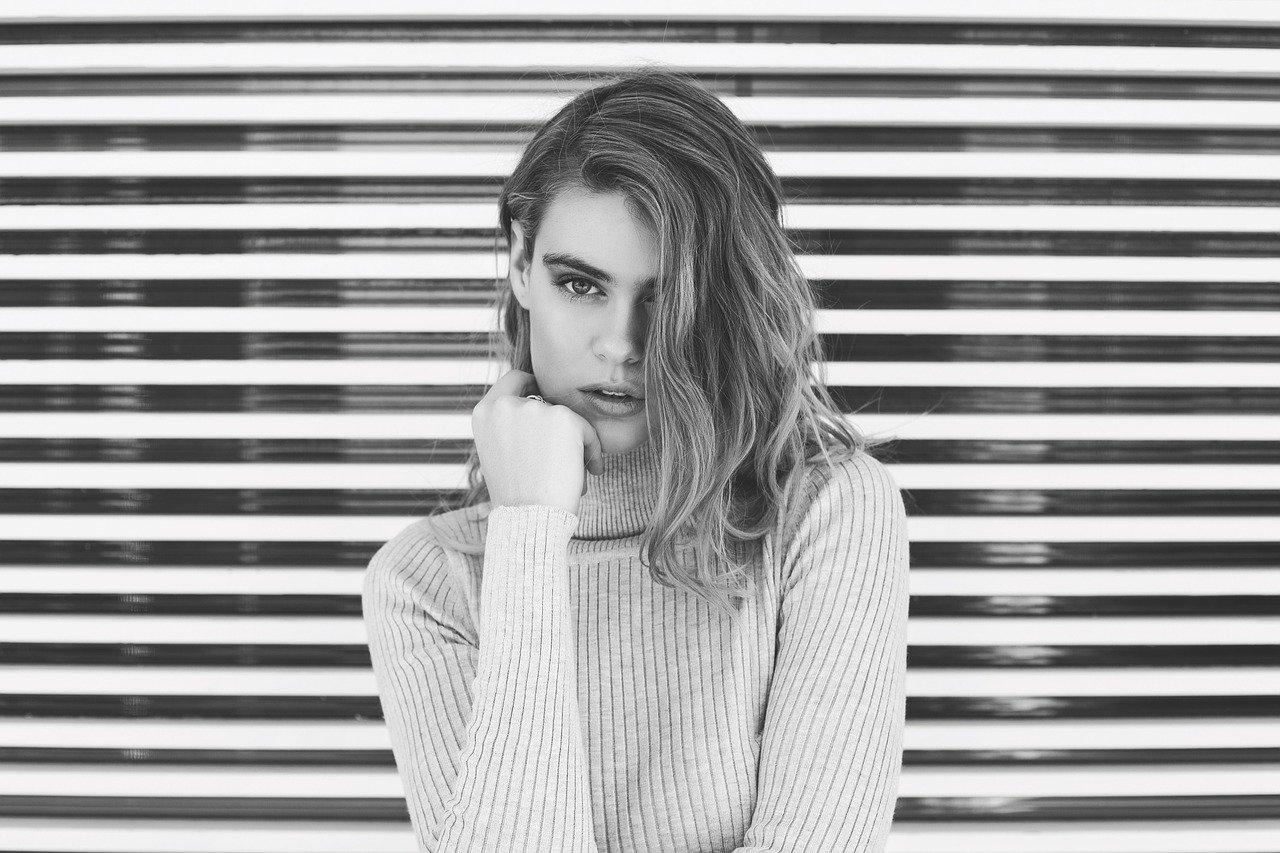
<point>525,567</point>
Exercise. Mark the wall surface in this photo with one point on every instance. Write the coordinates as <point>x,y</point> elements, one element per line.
<point>246,257</point>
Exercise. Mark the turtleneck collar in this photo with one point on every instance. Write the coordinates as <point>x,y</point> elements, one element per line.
<point>619,501</point>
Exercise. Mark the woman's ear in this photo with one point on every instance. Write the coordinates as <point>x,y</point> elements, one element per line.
<point>518,267</point>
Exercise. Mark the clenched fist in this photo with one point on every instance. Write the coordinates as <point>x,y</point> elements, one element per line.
<point>532,452</point>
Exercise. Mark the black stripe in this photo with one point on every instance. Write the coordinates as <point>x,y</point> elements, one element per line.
<point>969,399</point>
<point>301,655</point>
<point>355,189</point>
<point>919,294</point>
<point>1088,809</point>
<point>1092,503</point>
<point>1016,759</point>
<point>317,604</point>
<point>1049,83</point>
<point>1154,34</point>
<point>95,241</point>
<point>312,707</point>
<point>988,555</point>
<point>860,347</point>
<point>448,451</point>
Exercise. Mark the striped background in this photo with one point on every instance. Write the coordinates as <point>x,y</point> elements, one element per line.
<point>245,263</point>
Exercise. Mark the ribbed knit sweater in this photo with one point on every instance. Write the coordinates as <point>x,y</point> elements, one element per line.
<point>542,692</point>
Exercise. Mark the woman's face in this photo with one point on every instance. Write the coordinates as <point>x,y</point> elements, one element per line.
<point>592,247</point>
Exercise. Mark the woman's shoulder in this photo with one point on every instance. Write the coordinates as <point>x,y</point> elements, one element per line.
<point>851,479</point>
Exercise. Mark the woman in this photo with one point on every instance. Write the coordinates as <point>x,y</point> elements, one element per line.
<point>674,621</point>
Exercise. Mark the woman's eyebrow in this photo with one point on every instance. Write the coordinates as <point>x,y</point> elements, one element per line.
<point>565,259</point>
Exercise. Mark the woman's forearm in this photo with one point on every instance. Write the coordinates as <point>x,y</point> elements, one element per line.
<point>522,778</point>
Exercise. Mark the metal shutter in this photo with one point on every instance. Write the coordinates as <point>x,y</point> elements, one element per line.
<point>247,253</point>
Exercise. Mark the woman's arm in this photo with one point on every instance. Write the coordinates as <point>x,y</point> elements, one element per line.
<point>485,729</point>
<point>831,751</point>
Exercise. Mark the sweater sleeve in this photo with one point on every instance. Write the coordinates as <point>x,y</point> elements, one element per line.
<point>831,749</point>
<point>485,726</point>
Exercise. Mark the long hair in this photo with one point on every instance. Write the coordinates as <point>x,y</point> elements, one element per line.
<point>731,351</point>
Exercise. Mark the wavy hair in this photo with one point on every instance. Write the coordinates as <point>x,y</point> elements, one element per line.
<point>731,352</point>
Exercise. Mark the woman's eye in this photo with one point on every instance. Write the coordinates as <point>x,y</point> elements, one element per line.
<point>566,286</point>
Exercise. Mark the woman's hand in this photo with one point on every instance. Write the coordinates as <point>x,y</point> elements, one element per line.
<point>532,452</point>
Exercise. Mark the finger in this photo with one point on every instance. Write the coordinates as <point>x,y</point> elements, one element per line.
<point>515,383</point>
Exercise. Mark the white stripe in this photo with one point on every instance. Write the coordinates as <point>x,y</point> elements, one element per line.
<point>1161,12</point>
<point>923,630</point>
<point>959,374</point>
<point>254,580</point>
<point>122,780</point>
<point>65,780</point>
<point>75,680</point>
<point>1001,321</point>
<point>577,56</point>
<point>221,835</point>
<point>1091,681</point>
<point>233,475</point>
<point>216,835</point>
<point>304,425</point>
<point>1156,733</point>
<point>500,162</point>
<point>1159,780</point>
<point>106,733</point>
<point>1074,836</point>
<point>491,267</point>
<point>290,528</point>
<point>430,427</point>
<point>882,217</point>
<point>23,628</point>
<point>1069,581</point>
<point>337,475</point>
<point>1094,630</point>
<point>142,733</point>
<point>189,680</point>
<point>71,110</point>
<point>207,580</point>
<point>923,581</point>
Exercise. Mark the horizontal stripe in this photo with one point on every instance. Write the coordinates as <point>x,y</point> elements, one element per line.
<point>938,738</point>
<point>775,139</point>
<point>435,266</point>
<point>861,295</point>
<point>1190,12</point>
<point>463,360</point>
<point>828,165</point>
<point>918,656</point>
<point>458,218</point>
<point>1009,325</point>
<point>913,400</point>
<point>923,630</point>
<point>262,707</point>
<point>1008,487</point>
<point>923,606</point>
<point>1199,244</point>
<point>837,110</point>
<point>1230,430</point>
<point>427,453</point>
<point>70,578</point>
<point>1132,682</point>
<point>384,757</point>
<point>122,488</point>
<point>587,55</point>
<point>121,369</point>
<point>1025,531</point>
